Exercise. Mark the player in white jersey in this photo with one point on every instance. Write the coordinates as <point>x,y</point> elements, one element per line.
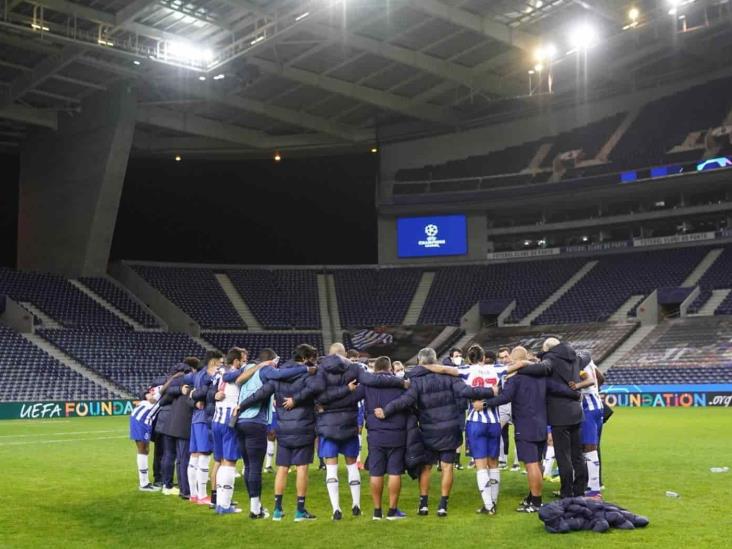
<point>140,432</point>
<point>592,423</point>
<point>225,444</point>
<point>483,428</point>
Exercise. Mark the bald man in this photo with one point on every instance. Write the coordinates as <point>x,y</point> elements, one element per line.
<point>560,363</point>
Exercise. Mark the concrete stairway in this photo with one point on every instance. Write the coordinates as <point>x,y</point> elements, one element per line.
<point>206,345</point>
<point>626,347</point>
<point>563,289</point>
<point>335,314</point>
<point>418,299</point>
<point>107,305</point>
<point>78,367</point>
<point>538,158</point>
<point>604,153</point>
<point>141,303</point>
<point>237,301</point>
<point>712,303</point>
<point>703,266</point>
<point>461,343</point>
<point>324,307</point>
<point>439,341</point>
<point>46,321</point>
<point>621,315</point>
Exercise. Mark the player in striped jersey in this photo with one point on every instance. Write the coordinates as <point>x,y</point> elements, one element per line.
<point>592,424</point>
<point>140,432</point>
<point>484,429</point>
<point>225,444</point>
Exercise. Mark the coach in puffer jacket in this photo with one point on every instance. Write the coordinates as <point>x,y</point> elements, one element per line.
<point>296,426</point>
<point>436,398</point>
<point>339,419</point>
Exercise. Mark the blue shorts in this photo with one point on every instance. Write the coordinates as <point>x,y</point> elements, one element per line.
<point>360,416</point>
<point>329,448</point>
<point>389,461</point>
<point>592,427</point>
<point>225,443</point>
<point>302,455</point>
<point>529,451</point>
<point>484,439</point>
<point>201,442</point>
<point>272,427</point>
<point>139,431</point>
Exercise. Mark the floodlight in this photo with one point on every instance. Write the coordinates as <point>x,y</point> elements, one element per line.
<point>583,37</point>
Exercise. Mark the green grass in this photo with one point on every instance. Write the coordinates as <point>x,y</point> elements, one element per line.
<point>72,483</point>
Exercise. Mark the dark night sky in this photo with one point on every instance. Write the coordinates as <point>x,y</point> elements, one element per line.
<point>299,211</point>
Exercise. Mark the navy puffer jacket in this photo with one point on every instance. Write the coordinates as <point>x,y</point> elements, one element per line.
<point>296,427</point>
<point>339,420</point>
<point>436,397</point>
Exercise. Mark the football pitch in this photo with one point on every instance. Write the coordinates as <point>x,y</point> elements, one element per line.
<point>73,483</point>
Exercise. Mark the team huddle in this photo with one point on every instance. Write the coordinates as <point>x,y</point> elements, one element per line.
<point>234,408</point>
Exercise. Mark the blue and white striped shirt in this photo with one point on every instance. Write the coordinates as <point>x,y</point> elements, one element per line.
<point>483,375</point>
<point>591,395</point>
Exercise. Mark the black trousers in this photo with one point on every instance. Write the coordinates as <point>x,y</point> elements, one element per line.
<point>157,441</point>
<point>167,464</point>
<point>182,449</point>
<point>252,439</point>
<point>571,461</point>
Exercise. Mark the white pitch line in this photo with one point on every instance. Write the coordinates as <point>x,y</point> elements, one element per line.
<point>26,442</point>
<point>63,434</point>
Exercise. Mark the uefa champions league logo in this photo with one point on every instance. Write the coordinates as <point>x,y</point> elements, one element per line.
<point>431,231</point>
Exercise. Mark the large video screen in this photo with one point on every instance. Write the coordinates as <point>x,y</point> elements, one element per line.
<point>432,236</point>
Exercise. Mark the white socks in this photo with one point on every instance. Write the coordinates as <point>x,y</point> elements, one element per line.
<point>225,486</point>
<point>331,482</point>
<point>193,476</point>
<point>484,487</point>
<point>354,481</point>
<point>593,471</point>
<point>203,462</point>
<point>142,470</point>
<point>255,506</point>
<point>495,482</point>
<point>270,454</point>
<point>548,461</point>
<point>502,456</point>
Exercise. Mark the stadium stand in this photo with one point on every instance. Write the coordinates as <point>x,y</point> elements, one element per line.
<point>456,289</point>
<point>718,276</point>
<point>373,297</point>
<point>279,299</point>
<point>55,297</point>
<point>119,298</point>
<point>646,143</point>
<point>589,139</point>
<point>684,343</point>
<point>618,277</point>
<point>130,359</point>
<point>197,292</point>
<point>29,374</point>
<point>283,343</point>
<point>598,338</point>
<point>655,131</point>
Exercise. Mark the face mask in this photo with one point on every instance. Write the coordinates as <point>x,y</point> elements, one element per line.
<point>457,361</point>
<point>399,374</point>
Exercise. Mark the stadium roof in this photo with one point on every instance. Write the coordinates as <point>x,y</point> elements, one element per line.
<point>254,76</point>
